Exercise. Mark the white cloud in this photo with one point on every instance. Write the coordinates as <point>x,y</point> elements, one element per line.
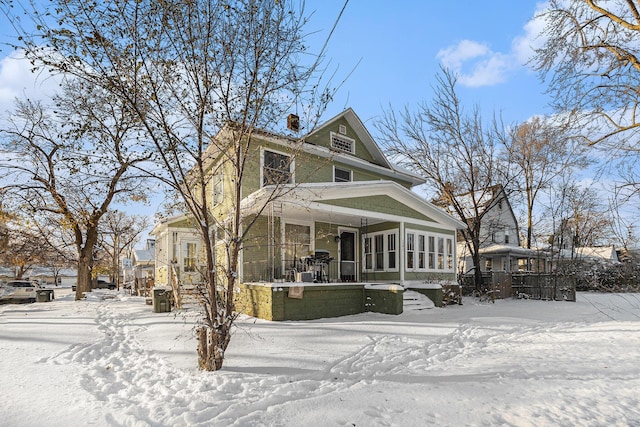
<point>18,81</point>
<point>477,65</point>
<point>454,56</point>
<point>523,46</point>
<point>486,67</point>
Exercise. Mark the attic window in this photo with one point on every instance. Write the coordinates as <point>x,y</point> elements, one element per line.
<point>342,143</point>
<point>342,130</point>
<point>341,175</point>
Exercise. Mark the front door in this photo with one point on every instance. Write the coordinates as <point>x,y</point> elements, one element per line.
<point>347,255</point>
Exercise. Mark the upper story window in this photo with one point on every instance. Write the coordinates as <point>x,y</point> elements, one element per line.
<point>342,129</point>
<point>217,189</point>
<point>341,175</point>
<point>276,168</point>
<point>343,143</point>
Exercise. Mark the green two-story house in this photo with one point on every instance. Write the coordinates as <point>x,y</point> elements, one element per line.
<point>348,215</point>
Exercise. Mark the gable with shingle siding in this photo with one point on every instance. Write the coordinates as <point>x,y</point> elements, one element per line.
<point>380,204</point>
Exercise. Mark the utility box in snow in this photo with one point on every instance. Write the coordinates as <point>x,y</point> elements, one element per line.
<point>161,300</point>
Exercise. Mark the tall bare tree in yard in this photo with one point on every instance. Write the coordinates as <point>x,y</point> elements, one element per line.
<point>454,152</point>
<point>200,76</point>
<point>591,61</point>
<point>72,162</point>
<point>538,152</point>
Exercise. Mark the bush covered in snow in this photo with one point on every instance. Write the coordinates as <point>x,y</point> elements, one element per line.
<point>605,277</point>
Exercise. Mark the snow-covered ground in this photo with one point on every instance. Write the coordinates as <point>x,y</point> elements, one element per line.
<point>113,362</point>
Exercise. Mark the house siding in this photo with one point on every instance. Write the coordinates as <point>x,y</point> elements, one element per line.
<point>322,138</point>
<point>379,204</point>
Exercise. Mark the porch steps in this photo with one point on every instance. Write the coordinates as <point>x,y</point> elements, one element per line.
<point>415,301</point>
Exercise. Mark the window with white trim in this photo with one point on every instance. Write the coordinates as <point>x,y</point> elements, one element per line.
<point>190,257</point>
<point>427,251</point>
<point>217,188</point>
<point>276,168</point>
<point>368,253</point>
<point>421,252</point>
<point>343,143</point>
<point>432,252</point>
<point>341,175</point>
<point>297,243</point>
<point>380,251</point>
<point>391,251</point>
<point>410,250</point>
<point>379,248</point>
<point>342,129</point>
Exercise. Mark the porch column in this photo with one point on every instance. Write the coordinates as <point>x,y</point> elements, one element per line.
<point>402,251</point>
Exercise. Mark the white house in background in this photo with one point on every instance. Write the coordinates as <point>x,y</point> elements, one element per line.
<point>143,262</point>
<point>500,248</point>
<point>177,251</point>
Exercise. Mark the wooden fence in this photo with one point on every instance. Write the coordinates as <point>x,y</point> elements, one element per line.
<point>524,285</point>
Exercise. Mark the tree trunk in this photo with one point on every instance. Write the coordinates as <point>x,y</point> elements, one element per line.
<point>83,282</point>
<point>212,343</point>
<point>477,272</point>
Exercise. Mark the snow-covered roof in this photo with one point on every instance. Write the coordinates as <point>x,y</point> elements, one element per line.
<point>513,250</point>
<point>607,253</point>
<point>144,255</point>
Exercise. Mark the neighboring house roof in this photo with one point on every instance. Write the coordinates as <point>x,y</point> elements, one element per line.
<point>143,256</point>
<point>39,271</point>
<point>607,253</point>
<point>496,249</point>
<point>486,199</point>
<point>177,221</point>
<point>46,271</point>
<point>324,199</point>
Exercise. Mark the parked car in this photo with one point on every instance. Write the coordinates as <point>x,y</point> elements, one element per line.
<point>100,284</point>
<point>103,284</point>
<point>18,291</point>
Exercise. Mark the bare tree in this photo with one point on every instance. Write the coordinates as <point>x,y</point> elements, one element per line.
<point>538,152</point>
<point>119,231</point>
<point>72,163</point>
<point>201,76</point>
<point>590,59</point>
<point>22,250</point>
<point>453,151</point>
<point>579,217</point>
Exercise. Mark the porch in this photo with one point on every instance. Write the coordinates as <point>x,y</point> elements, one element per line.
<point>371,231</point>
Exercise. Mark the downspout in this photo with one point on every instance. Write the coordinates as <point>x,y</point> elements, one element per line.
<point>401,255</point>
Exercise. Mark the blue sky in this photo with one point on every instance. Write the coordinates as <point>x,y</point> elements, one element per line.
<point>401,45</point>
<point>398,47</point>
